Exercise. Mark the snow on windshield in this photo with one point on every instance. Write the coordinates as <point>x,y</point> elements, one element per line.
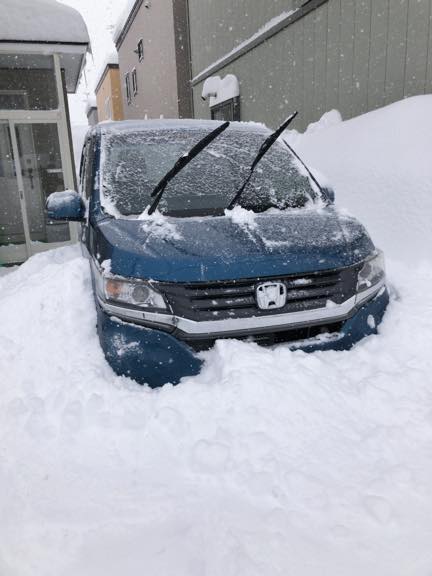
<point>134,162</point>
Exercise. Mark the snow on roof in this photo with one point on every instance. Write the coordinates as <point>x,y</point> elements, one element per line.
<point>91,103</point>
<point>221,89</point>
<point>110,60</point>
<point>121,23</point>
<point>41,21</point>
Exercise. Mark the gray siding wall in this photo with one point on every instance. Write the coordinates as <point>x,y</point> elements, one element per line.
<point>183,58</point>
<point>217,26</point>
<point>353,55</point>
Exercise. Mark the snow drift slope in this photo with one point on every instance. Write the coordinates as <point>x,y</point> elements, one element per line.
<point>380,165</point>
<point>269,462</point>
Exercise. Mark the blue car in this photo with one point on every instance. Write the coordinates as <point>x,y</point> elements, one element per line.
<point>201,230</point>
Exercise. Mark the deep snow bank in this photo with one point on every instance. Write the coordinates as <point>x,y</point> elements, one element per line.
<point>380,165</point>
<point>268,463</point>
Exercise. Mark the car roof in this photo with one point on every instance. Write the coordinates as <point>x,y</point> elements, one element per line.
<point>183,124</point>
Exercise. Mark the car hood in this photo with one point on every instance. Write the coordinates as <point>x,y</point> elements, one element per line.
<point>228,247</point>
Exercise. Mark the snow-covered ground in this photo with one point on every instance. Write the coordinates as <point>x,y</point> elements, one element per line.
<point>270,462</point>
<point>381,168</point>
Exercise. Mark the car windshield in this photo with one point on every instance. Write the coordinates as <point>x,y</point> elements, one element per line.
<point>134,162</point>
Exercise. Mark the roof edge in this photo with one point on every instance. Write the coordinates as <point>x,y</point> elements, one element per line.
<point>109,66</point>
<point>44,42</point>
<point>120,36</point>
<point>262,35</point>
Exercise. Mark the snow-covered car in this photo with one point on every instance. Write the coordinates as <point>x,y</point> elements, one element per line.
<point>198,230</point>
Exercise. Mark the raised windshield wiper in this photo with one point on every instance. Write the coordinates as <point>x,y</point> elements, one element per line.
<point>182,162</point>
<point>265,147</point>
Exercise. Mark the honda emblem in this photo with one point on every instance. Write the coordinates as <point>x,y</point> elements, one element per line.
<point>271,295</point>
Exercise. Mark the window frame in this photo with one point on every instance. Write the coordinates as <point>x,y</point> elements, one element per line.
<point>128,88</point>
<point>134,82</point>
<point>140,50</point>
<point>108,108</point>
<point>232,106</point>
<point>86,168</point>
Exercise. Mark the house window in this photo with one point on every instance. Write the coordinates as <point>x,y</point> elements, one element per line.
<point>228,110</point>
<point>27,82</point>
<point>134,82</point>
<point>140,50</point>
<point>128,88</point>
<point>108,108</point>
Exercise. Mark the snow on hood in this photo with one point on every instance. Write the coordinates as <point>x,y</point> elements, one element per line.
<point>204,249</point>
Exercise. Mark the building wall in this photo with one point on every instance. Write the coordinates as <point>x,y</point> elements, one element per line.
<point>109,96</point>
<point>353,55</point>
<point>183,57</point>
<point>217,26</point>
<point>156,74</point>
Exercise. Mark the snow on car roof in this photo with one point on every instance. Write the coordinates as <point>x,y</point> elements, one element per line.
<point>174,124</point>
<point>41,21</point>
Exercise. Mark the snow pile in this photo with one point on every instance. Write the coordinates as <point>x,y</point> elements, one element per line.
<point>110,60</point>
<point>6,270</point>
<point>90,103</point>
<point>122,20</point>
<point>242,217</point>
<point>158,225</point>
<point>269,462</point>
<point>329,119</point>
<point>60,200</point>
<point>41,21</point>
<point>220,89</point>
<point>381,169</point>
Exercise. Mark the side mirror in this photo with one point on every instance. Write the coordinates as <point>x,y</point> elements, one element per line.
<point>67,205</point>
<point>329,194</point>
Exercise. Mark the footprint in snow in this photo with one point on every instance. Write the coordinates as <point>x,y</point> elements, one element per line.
<point>210,456</point>
<point>378,508</point>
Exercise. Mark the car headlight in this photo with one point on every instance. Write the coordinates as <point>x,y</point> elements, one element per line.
<point>372,273</point>
<point>136,293</point>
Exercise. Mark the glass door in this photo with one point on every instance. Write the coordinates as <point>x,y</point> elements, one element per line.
<point>30,170</point>
<point>13,241</point>
<point>41,174</point>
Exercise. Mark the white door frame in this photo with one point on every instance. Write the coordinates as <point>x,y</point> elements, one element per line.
<point>58,117</point>
<point>20,182</point>
<point>16,252</point>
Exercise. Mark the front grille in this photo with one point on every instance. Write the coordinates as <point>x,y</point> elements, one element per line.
<point>201,301</point>
<point>273,338</point>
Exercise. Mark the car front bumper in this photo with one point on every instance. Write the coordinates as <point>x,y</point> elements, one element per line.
<point>154,357</point>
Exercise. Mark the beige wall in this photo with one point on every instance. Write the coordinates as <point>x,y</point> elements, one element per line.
<point>156,74</point>
<point>110,89</point>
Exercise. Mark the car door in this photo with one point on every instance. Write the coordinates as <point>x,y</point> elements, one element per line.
<point>86,189</point>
